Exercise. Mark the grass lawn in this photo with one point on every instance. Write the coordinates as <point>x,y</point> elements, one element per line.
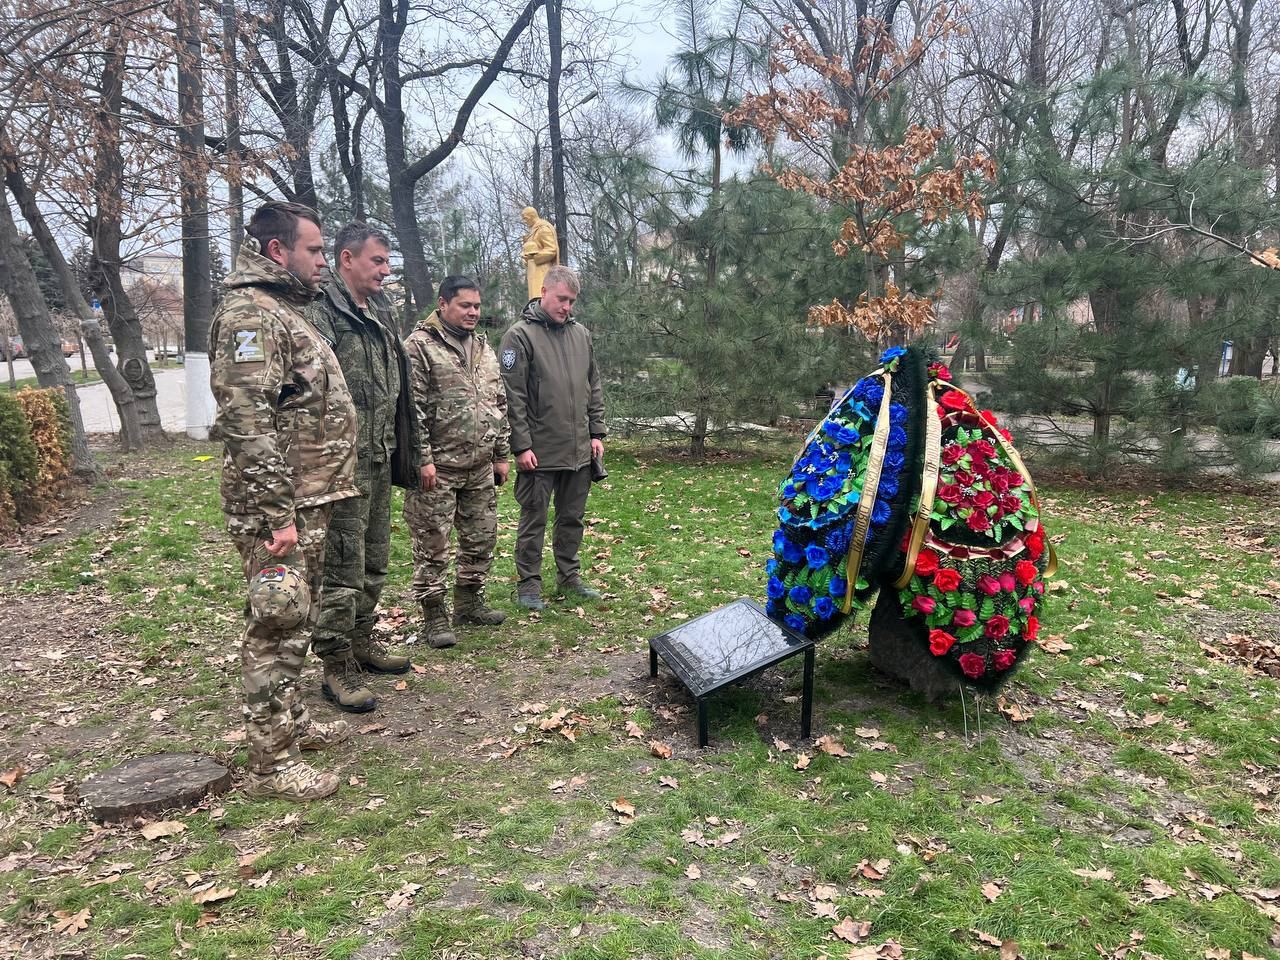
<point>508,798</point>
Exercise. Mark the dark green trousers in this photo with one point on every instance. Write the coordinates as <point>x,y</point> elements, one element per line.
<point>355,562</point>
<point>535,490</point>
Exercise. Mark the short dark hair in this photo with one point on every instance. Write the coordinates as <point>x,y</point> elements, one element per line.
<point>353,236</point>
<point>450,286</point>
<point>278,220</point>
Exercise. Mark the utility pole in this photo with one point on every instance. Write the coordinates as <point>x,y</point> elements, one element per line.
<point>197,291</point>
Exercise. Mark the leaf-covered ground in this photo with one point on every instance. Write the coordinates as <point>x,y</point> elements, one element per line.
<point>533,792</point>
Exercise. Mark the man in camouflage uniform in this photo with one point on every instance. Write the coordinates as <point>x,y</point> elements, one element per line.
<point>288,428</point>
<point>461,409</point>
<point>556,407</point>
<point>355,318</point>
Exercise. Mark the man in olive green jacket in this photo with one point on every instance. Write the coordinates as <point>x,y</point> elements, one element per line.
<point>556,408</point>
<point>355,318</point>
<point>461,410</point>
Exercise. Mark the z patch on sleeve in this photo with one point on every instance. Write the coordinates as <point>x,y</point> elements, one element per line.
<point>249,347</point>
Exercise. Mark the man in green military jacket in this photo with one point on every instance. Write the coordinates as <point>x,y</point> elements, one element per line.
<point>353,315</point>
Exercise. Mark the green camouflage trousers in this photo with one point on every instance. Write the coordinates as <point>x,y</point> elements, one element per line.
<point>271,659</point>
<point>355,562</point>
<point>466,499</point>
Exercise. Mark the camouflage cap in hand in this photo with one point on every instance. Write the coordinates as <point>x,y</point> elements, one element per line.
<point>279,597</point>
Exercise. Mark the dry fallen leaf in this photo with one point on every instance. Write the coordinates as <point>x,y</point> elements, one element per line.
<point>852,931</point>
<point>214,895</point>
<point>12,776</point>
<point>660,750</point>
<point>866,733</point>
<point>670,782</point>
<point>825,891</point>
<point>991,891</point>
<point>746,882</point>
<point>1103,874</point>
<point>71,923</point>
<point>693,871</point>
<point>873,871</point>
<point>623,807</point>
<point>831,746</point>
<point>1157,889</point>
<point>781,745</point>
<point>802,761</point>
<point>162,828</point>
<point>634,730</point>
<point>824,910</point>
<point>402,896</point>
<point>1015,712</point>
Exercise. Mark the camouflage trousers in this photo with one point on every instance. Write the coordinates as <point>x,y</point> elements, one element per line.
<point>271,659</point>
<point>355,562</point>
<point>466,499</point>
<point>535,490</point>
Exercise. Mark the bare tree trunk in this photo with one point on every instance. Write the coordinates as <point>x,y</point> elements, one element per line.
<point>43,344</point>
<point>235,188</point>
<point>126,406</point>
<point>553,120</point>
<point>197,269</point>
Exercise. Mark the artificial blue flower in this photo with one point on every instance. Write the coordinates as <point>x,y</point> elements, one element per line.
<point>838,539</point>
<point>799,595</point>
<point>779,542</point>
<point>789,490</point>
<point>771,566</point>
<point>772,609</point>
<point>826,488</point>
<point>844,435</point>
<point>888,487</point>
<point>791,553</point>
<point>892,354</point>
<point>880,513</point>
<point>894,461</point>
<point>897,414</point>
<point>784,515</point>
<point>863,386</point>
<point>844,463</point>
<point>824,607</point>
<point>838,587</point>
<point>815,556</point>
<point>897,438</point>
<point>795,622</point>
<point>874,392</point>
<point>776,588</point>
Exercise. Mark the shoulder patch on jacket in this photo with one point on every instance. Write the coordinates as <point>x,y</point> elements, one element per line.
<point>249,347</point>
<point>508,358</point>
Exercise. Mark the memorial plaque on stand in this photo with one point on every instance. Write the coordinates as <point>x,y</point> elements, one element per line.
<point>728,645</point>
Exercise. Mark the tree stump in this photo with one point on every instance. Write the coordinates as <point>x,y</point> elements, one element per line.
<point>149,785</point>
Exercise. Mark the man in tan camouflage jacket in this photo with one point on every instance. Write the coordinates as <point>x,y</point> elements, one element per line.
<point>463,446</point>
<point>288,428</point>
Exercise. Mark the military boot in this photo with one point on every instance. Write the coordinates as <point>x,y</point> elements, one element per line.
<point>372,655</point>
<point>344,687</point>
<point>435,624</point>
<point>469,607</point>
<point>292,781</point>
<point>319,735</point>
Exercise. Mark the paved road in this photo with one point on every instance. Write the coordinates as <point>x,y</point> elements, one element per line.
<point>99,411</point>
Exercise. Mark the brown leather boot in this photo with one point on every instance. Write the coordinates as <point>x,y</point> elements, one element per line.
<point>373,656</point>
<point>435,625</point>
<point>344,686</point>
<point>469,607</point>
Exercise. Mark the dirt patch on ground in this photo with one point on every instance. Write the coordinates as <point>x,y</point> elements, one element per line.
<point>1249,639</point>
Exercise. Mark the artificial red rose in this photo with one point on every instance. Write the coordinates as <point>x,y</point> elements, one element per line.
<point>999,483</point>
<point>1025,571</point>
<point>1010,504</point>
<point>1027,604</point>
<point>952,453</point>
<point>996,626</point>
<point>990,417</point>
<point>982,448</point>
<point>984,499</point>
<point>1007,583</point>
<point>958,553</point>
<point>964,618</point>
<point>926,563</point>
<point>924,604</point>
<point>1031,629</point>
<point>946,580</point>
<point>940,642</point>
<point>954,400</point>
<point>972,665</point>
<point>988,584</point>
<point>1015,479</point>
<point>940,371</point>
<point>1035,543</point>
<point>950,493</point>
<point>980,469</point>
<point>1005,433</point>
<point>1038,586</point>
<point>964,478</point>
<point>978,522</point>
<point>1004,659</point>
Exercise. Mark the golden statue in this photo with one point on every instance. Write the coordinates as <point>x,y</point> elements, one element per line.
<point>541,250</point>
